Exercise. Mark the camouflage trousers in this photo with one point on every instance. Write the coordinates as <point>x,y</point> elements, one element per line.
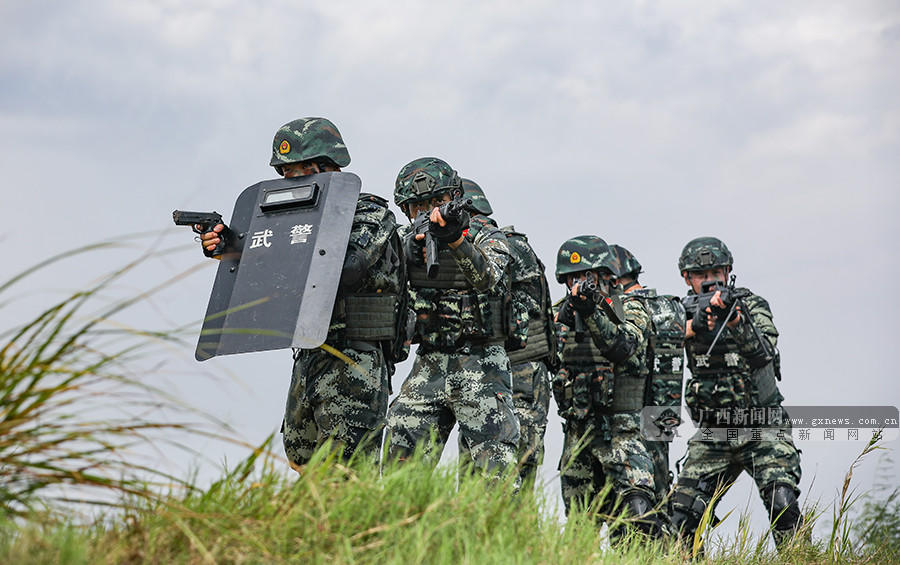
<point>531,402</point>
<point>442,389</point>
<point>600,449</point>
<point>331,399</point>
<point>713,464</point>
<point>662,477</point>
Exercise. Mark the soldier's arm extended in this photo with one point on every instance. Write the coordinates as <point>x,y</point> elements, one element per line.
<point>761,315</point>
<point>483,261</point>
<point>625,343</point>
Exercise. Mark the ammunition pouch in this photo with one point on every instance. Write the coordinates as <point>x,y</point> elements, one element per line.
<point>598,391</point>
<point>537,347</point>
<point>449,276</point>
<point>457,318</point>
<point>764,384</point>
<point>367,317</point>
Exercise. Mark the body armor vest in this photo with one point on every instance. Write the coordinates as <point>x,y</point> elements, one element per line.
<point>666,348</point>
<point>447,319</point>
<point>586,371</point>
<point>368,317</point>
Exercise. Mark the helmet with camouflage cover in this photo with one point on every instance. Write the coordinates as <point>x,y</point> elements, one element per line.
<point>308,139</point>
<point>423,179</point>
<point>628,264</point>
<point>582,253</point>
<point>480,204</point>
<point>704,253</point>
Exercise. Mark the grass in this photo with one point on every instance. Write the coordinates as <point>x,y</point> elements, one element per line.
<point>71,419</point>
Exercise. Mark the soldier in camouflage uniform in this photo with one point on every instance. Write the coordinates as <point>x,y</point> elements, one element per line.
<point>531,347</point>
<point>461,372</point>
<point>330,398</point>
<point>665,360</point>
<point>737,376</point>
<point>599,390</point>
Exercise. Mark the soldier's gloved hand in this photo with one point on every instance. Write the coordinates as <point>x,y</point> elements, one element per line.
<point>700,323</point>
<point>583,303</point>
<point>414,249</point>
<point>566,314</point>
<point>449,232</point>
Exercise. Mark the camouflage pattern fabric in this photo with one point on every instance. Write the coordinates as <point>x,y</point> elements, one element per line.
<point>328,397</point>
<point>472,389</point>
<point>461,372</point>
<point>612,446</point>
<point>666,371</point>
<point>441,320</point>
<point>308,139</point>
<point>704,253</point>
<point>531,403</point>
<point>724,379</point>
<point>424,178</point>
<point>636,325</point>
<point>530,382</point>
<point>592,456</point>
<point>480,203</point>
<point>581,253</point>
<point>714,463</point>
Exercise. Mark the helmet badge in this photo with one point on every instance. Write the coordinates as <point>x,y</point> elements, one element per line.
<point>575,258</point>
<point>285,147</point>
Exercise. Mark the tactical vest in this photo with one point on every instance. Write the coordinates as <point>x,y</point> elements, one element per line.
<point>587,383</point>
<point>665,354</point>
<point>532,319</point>
<point>377,311</point>
<point>724,378</point>
<point>450,313</point>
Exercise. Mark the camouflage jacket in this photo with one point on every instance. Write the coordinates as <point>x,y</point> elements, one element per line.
<point>373,237</point>
<point>469,301</point>
<point>735,373</point>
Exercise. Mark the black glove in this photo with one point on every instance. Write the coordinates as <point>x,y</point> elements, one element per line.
<point>414,249</point>
<point>700,322</point>
<point>450,232</point>
<point>566,314</point>
<point>583,302</point>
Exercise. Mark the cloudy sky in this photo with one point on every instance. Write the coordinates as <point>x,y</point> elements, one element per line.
<point>772,125</point>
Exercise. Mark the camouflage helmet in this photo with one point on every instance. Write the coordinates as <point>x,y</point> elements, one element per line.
<point>582,253</point>
<point>424,179</point>
<point>704,253</point>
<point>308,139</point>
<point>628,264</point>
<point>480,204</point>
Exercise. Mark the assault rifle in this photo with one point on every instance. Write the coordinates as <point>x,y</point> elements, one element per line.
<point>201,222</point>
<point>452,210</point>
<point>733,298</point>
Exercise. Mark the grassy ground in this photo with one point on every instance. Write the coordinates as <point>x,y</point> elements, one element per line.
<point>70,415</point>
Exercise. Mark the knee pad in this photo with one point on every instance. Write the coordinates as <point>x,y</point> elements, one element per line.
<point>639,505</point>
<point>784,508</point>
<point>686,513</point>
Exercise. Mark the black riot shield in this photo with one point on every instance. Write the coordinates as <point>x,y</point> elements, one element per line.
<point>279,272</point>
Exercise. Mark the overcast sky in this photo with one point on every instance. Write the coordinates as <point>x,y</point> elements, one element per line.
<point>772,125</point>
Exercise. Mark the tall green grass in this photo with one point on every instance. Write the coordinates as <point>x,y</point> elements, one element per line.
<point>72,421</point>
